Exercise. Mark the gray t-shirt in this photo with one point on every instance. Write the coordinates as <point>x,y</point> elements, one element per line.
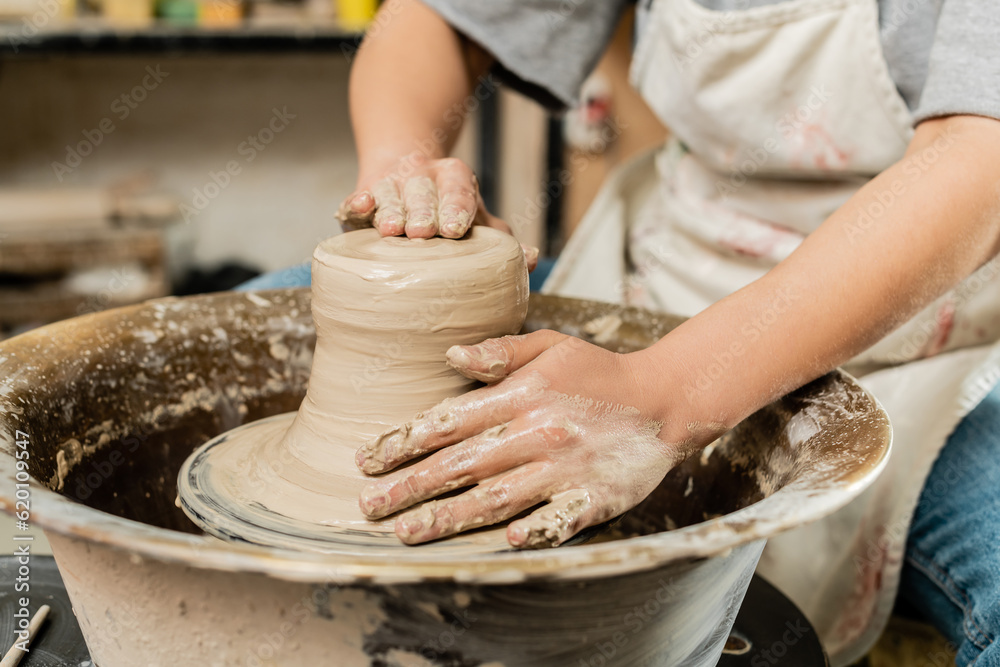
<point>944,55</point>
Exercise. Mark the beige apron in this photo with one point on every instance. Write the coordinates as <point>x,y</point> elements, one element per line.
<point>780,114</point>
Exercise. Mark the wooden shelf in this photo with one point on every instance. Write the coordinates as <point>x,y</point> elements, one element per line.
<point>98,37</point>
<point>50,302</point>
<point>44,253</point>
<point>33,266</point>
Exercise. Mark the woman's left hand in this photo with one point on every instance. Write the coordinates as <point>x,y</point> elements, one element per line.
<point>565,424</point>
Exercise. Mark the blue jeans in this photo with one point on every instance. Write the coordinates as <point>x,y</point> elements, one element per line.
<point>952,571</point>
<point>951,576</point>
<point>300,276</point>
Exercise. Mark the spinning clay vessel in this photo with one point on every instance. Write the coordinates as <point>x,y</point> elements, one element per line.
<point>108,407</point>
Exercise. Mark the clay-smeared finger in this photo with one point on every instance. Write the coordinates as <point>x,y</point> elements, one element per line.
<point>493,501</point>
<point>390,218</point>
<point>458,197</point>
<point>489,453</point>
<point>530,256</point>
<point>420,198</point>
<point>357,211</point>
<point>448,422</point>
<point>496,358</point>
<point>566,515</point>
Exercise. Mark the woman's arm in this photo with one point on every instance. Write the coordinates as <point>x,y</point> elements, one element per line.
<point>904,239</point>
<point>405,183</point>
<point>593,432</point>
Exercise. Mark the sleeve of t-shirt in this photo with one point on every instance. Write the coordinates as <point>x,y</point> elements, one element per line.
<point>543,48</point>
<point>963,76</point>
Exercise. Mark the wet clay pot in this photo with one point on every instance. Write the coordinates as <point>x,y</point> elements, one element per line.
<point>107,407</point>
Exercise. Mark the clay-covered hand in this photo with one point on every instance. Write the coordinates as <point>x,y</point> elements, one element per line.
<point>562,426</point>
<point>419,197</point>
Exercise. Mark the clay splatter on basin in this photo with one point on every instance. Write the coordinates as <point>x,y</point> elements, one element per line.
<point>155,381</point>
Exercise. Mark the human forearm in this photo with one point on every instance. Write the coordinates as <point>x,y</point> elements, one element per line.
<point>412,74</point>
<point>409,74</point>
<point>901,241</point>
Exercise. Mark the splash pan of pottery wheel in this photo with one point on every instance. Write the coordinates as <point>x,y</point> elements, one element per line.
<point>109,405</point>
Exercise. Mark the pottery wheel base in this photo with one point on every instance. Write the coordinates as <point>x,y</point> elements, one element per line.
<point>220,472</point>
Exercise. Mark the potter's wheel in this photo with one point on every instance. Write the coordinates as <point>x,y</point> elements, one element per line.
<point>137,390</point>
<point>762,625</point>
<point>221,469</point>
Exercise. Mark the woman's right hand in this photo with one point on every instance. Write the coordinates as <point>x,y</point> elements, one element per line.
<point>421,198</point>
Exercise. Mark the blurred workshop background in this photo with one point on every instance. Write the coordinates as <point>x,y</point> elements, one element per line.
<point>158,147</point>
